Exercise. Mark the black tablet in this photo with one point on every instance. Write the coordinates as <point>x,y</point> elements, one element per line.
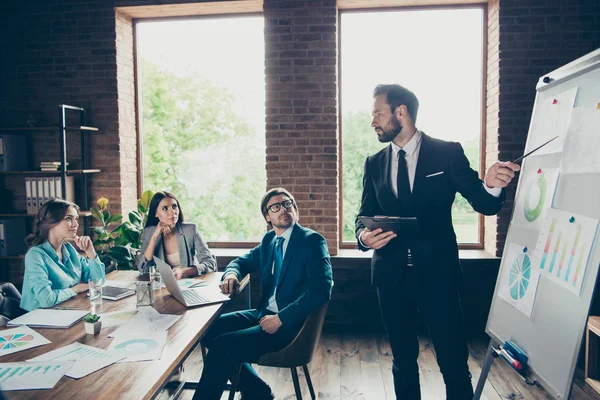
<point>402,226</point>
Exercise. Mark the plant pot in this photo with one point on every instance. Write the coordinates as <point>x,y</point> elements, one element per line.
<point>93,328</point>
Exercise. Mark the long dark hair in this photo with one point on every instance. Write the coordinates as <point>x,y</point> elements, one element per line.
<point>51,213</point>
<point>156,199</point>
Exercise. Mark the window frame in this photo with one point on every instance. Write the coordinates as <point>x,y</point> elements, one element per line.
<point>138,104</point>
<point>479,245</point>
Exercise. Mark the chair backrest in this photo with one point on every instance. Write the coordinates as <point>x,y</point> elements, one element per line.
<point>300,350</point>
<point>10,301</point>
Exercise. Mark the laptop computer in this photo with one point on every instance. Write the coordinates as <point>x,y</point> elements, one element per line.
<point>191,297</point>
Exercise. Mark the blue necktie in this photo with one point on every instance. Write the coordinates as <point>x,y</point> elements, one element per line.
<point>277,262</point>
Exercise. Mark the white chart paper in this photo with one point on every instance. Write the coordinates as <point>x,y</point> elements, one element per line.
<point>536,190</point>
<point>551,118</point>
<point>147,320</point>
<point>28,376</point>
<point>563,248</point>
<point>139,346</point>
<point>87,359</point>
<point>582,144</point>
<point>117,318</point>
<point>518,280</point>
<point>18,339</point>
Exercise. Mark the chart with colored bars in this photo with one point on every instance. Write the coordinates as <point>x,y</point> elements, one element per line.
<point>18,339</point>
<point>563,248</point>
<point>24,376</point>
<point>518,281</point>
<point>87,359</point>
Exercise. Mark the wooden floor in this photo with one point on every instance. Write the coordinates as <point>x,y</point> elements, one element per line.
<point>359,367</point>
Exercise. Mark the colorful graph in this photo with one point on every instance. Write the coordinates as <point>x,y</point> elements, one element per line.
<point>547,245</point>
<point>137,346</point>
<point>125,315</point>
<point>562,256</point>
<point>31,375</point>
<point>535,198</point>
<point>518,281</point>
<point>17,340</point>
<point>520,273</point>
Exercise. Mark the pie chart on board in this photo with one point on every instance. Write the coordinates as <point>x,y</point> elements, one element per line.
<point>520,274</point>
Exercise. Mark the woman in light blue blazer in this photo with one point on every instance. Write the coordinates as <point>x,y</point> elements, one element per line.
<point>177,243</point>
<point>54,270</point>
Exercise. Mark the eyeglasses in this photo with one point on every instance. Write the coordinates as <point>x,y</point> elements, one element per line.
<point>275,207</point>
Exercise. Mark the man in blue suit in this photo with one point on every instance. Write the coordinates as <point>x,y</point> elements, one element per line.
<point>295,280</point>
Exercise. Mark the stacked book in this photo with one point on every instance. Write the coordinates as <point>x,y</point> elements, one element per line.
<point>50,165</point>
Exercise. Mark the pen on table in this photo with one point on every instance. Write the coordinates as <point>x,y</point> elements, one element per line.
<point>534,150</point>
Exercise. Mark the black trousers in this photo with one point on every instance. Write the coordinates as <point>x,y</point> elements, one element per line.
<point>232,339</point>
<point>441,311</point>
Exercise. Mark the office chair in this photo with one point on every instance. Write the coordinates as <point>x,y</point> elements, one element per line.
<point>297,354</point>
<point>10,300</point>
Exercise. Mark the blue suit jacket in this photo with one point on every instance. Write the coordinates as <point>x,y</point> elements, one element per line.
<point>305,280</point>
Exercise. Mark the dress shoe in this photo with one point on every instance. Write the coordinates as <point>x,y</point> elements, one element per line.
<point>246,396</point>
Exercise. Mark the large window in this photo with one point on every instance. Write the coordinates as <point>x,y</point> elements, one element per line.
<point>436,53</point>
<point>202,88</point>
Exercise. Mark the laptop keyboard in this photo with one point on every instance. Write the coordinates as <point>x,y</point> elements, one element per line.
<point>193,297</point>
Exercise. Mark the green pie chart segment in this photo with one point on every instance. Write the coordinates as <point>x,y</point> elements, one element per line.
<point>535,197</point>
<point>520,274</point>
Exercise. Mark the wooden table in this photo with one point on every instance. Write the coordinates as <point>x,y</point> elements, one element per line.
<point>592,350</point>
<point>132,380</point>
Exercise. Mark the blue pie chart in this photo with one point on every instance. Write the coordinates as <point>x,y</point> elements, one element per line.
<point>520,274</point>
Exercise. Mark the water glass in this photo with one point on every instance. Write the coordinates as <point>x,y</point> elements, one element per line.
<point>95,289</point>
<point>156,279</point>
<point>144,294</point>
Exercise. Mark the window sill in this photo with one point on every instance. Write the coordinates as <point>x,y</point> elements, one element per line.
<point>355,254</point>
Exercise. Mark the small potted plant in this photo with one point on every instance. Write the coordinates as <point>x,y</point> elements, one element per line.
<point>92,324</point>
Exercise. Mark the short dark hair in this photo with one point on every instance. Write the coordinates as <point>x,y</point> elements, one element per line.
<point>272,193</point>
<point>397,95</point>
<point>156,199</point>
<point>50,214</point>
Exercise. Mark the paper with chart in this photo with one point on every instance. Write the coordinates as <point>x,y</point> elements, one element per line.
<point>117,318</point>
<point>147,320</point>
<point>535,193</point>
<point>563,248</point>
<point>580,152</point>
<point>518,281</point>
<point>551,118</point>
<point>18,339</point>
<point>87,359</point>
<point>29,376</point>
<point>139,346</point>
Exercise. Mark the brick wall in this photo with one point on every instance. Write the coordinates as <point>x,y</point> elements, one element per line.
<point>80,53</point>
<point>301,109</point>
<point>529,38</point>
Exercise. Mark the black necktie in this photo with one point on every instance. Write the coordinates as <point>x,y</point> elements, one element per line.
<point>403,183</point>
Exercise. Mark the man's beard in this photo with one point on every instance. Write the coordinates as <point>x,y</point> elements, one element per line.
<point>389,135</point>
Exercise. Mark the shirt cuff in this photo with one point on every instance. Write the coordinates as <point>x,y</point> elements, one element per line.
<point>492,191</point>
<point>361,242</point>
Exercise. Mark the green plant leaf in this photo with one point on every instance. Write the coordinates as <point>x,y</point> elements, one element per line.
<point>120,253</point>
<point>141,209</point>
<point>135,218</point>
<point>115,218</point>
<point>106,215</point>
<point>99,229</point>
<point>97,214</point>
<point>146,197</point>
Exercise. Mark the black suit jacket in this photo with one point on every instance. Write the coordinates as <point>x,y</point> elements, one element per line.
<point>434,250</point>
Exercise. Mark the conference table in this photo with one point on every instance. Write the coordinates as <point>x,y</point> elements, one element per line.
<point>130,380</point>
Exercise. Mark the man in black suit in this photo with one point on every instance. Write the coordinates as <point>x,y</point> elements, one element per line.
<point>295,280</point>
<point>418,176</point>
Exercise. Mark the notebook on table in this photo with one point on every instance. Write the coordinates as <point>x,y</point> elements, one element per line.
<point>47,318</point>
